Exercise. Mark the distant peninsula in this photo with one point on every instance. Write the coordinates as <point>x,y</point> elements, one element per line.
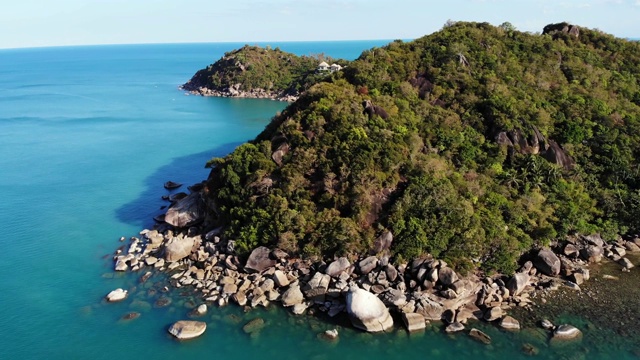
<point>263,73</point>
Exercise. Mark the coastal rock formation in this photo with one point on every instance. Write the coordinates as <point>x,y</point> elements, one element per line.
<point>187,211</point>
<point>178,248</point>
<point>259,260</point>
<point>187,329</point>
<point>367,312</point>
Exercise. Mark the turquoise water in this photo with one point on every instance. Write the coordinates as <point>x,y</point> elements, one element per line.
<point>88,135</point>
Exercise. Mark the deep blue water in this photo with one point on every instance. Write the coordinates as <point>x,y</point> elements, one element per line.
<point>88,135</point>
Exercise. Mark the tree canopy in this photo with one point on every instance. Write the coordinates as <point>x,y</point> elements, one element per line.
<point>495,141</point>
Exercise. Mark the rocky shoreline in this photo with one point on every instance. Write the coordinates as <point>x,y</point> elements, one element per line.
<point>235,92</point>
<point>370,289</point>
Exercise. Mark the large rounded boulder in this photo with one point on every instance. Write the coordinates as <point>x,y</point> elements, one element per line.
<point>547,262</point>
<point>367,312</point>
<point>187,329</point>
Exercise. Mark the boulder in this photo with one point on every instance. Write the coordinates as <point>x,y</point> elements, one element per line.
<point>187,329</point>
<point>259,260</point>
<point>517,283</point>
<point>383,242</point>
<point>509,323</point>
<point>121,265</point>
<point>626,263</point>
<point>280,278</point>
<point>592,253</point>
<point>631,247</point>
<point>413,321</point>
<point>494,313</point>
<point>292,296</point>
<point>454,328</point>
<point>178,248</point>
<point>447,276</point>
<point>367,265</point>
<point>253,325</point>
<point>480,336</point>
<point>338,266</point>
<point>116,295</point>
<point>170,185</point>
<point>547,262</point>
<point>331,334</point>
<point>186,212</point>
<point>366,311</point>
<point>566,332</point>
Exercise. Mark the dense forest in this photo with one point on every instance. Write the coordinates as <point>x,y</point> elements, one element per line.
<point>473,144</point>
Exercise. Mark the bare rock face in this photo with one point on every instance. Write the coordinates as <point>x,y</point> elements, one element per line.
<point>292,296</point>
<point>187,329</point>
<point>447,276</point>
<point>186,212</point>
<point>367,312</point>
<point>259,260</point>
<point>178,248</point>
<point>556,155</point>
<point>547,262</point>
<point>563,27</point>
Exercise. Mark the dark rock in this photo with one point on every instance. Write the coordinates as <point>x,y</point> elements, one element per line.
<point>170,185</point>
<point>254,325</point>
<point>447,276</point>
<point>131,316</point>
<point>480,336</point>
<point>259,260</point>
<point>186,212</point>
<point>556,155</point>
<point>391,272</point>
<point>547,262</point>
<point>383,242</point>
<point>370,110</point>
<point>280,153</point>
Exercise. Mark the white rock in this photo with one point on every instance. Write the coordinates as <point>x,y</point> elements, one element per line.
<point>187,329</point>
<point>117,295</point>
<point>367,312</point>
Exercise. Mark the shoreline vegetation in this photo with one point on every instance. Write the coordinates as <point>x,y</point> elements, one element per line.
<point>451,178</point>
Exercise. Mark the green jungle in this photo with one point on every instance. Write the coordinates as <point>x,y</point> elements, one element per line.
<point>474,144</point>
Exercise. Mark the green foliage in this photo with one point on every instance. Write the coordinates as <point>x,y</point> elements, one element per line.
<point>432,171</point>
<point>272,70</point>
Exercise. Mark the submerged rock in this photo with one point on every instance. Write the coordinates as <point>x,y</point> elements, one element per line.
<point>566,332</point>
<point>480,336</point>
<point>187,329</point>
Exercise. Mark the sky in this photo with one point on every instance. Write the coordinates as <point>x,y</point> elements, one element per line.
<point>35,23</point>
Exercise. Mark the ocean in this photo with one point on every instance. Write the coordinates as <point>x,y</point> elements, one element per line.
<point>88,136</point>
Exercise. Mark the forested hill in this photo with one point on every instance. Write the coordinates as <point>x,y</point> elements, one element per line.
<point>259,72</point>
<point>476,143</point>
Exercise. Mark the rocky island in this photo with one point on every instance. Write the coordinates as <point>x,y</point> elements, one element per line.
<point>449,178</point>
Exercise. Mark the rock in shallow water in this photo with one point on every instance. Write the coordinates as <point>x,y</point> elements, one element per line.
<point>367,312</point>
<point>480,336</point>
<point>187,329</point>
<point>566,332</point>
<point>117,295</point>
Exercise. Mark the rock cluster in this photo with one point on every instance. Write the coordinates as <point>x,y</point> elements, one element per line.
<point>368,289</point>
<point>236,92</point>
